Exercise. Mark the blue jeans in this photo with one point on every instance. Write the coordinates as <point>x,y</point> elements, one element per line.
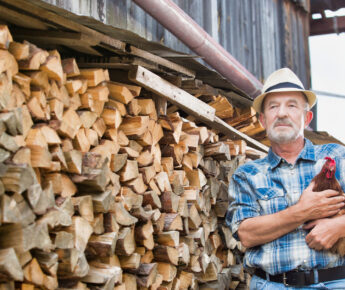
<point>258,283</point>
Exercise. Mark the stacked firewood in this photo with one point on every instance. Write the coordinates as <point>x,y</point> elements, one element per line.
<point>97,190</point>
<point>242,118</point>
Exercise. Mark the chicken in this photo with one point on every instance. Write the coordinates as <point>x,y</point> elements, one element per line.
<point>326,180</point>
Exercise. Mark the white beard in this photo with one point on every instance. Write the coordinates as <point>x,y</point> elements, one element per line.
<point>287,135</point>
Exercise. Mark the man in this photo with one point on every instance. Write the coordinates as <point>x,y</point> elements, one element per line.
<point>275,213</point>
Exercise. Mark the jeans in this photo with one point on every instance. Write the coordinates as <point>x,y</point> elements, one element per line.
<point>258,283</point>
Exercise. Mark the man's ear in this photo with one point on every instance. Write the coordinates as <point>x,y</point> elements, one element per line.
<point>262,120</point>
<point>308,118</point>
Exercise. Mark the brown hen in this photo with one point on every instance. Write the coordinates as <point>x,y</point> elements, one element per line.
<point>326,180</point>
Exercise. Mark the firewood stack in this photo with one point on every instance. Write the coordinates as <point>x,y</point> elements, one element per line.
<point>242,118</point>
<point>99,191</point>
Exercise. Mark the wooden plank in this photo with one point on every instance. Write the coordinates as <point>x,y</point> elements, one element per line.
<point>55,37</point>
<point>118,66</point>
<point>21,19</point>
<point>161,61</point>
<point>173,94</point>
<point>226,129</point>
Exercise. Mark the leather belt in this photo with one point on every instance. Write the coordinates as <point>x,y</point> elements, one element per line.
<point>303,278</point>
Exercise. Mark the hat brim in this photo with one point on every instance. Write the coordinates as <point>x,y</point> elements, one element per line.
<point>257,103</point>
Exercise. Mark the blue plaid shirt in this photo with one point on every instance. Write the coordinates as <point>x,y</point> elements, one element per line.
<point>269,185</point>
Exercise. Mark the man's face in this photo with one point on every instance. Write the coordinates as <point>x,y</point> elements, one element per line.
<point>284,116</point>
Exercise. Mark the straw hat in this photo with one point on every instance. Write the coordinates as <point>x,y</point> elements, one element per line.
<point>283,80</point>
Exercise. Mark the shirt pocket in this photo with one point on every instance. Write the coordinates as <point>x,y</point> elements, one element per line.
<point>271,200</point>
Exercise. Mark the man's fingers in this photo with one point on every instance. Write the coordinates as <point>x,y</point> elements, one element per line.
<point>331,192</point>
<point>310,225</point>
<point>312,243</point>
<point>310,186</point>
<point>309,240</point>
<point>330,213</point>
<point>336,201</point>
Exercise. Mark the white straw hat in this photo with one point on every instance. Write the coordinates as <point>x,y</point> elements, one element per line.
<point>283,80</point>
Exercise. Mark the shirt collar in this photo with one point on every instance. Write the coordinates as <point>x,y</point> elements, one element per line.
<point>307,153</point>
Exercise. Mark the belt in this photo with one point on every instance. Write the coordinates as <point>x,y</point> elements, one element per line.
<point>303,278</point>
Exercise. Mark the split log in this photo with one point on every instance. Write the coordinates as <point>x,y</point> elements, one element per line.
<point>170,238</point>
<point>131,262</point>
<point>122,216</point>
<point>93,76</point>
<point>172,222</point>
<point>82,231</point>
<point>120,93</point>
<point>166,254</point>
<point>134,126</point>
<point>170,202</point>
<point>125,243</point>
<point>100,273</point>
<point>10,269</point>
<point>70,67</point>
<point>146,274</point>
<point>101,245</point>
<point>167,271</point>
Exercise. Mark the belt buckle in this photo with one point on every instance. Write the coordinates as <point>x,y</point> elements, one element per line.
<point>285,280</point>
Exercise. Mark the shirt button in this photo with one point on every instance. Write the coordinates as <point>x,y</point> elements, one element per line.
<point>266,196</point>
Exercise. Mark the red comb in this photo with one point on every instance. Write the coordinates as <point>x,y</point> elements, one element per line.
<point>331,160</point>
<point>330,171</point>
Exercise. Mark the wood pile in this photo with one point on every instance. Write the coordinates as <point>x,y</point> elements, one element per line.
<point>99,190</point>
<point>242,118</point>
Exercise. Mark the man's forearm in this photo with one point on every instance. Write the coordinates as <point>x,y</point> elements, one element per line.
<point>311,206</point>
<point>263,229</point>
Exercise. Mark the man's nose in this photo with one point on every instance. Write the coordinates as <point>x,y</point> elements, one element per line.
<point>282,111</point>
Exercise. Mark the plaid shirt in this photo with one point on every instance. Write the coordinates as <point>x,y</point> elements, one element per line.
<point>269,185</point>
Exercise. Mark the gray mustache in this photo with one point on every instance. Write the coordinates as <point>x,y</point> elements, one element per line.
<point>283,122</point>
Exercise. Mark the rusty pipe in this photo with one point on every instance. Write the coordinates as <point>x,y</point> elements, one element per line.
<point>173,18</point>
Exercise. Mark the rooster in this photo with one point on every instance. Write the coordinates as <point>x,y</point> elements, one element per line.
<point>326,180</point>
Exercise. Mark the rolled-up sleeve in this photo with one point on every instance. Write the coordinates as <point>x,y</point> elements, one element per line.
<point>244,203</point>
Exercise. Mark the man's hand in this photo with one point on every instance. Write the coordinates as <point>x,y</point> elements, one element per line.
<point>317,205</point>
<point>324,234</point>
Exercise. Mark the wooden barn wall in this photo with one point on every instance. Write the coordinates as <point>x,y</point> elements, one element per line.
<point>262,35</point>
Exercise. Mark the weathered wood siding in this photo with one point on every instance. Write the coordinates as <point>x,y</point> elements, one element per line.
<point>261,34</point>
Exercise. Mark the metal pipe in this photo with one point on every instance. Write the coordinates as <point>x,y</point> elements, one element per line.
<point>197,39</point>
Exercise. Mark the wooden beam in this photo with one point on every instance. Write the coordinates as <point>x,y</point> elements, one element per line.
<point>21,19</point>
<point>226,129</point>
<point>55,37</point>
<point>327,25</point>
<point>161,61</point>
<point>112,66</point>
<point>173,94</point>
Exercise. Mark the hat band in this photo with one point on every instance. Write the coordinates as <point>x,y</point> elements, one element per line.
<point>283,85</point>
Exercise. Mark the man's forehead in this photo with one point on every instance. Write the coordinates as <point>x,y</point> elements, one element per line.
<point>285,97</point>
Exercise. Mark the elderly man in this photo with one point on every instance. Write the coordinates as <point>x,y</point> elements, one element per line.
<point>275,213</point>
